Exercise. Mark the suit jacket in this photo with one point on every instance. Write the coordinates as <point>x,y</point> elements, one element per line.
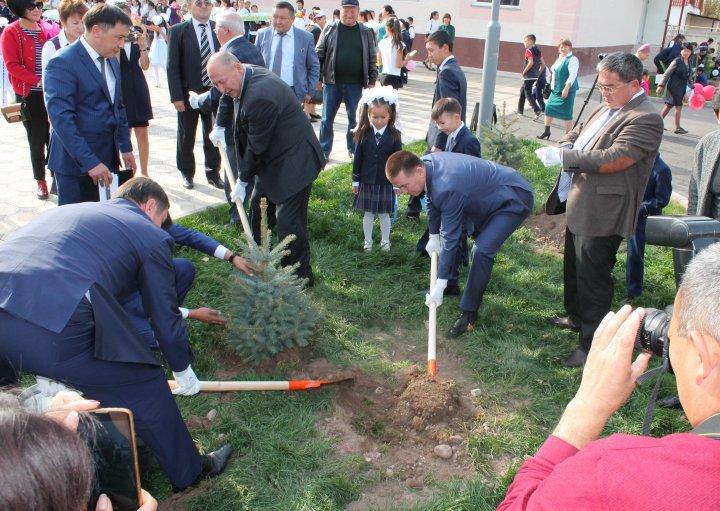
<point>111,249</point>
<point>184,67</point>
<point>274,139</point>
<point>463,188</point>
<point>306,66</point>
<point>610,175</point>
<point>451,83</point>
<point>465,143</point>
<point>87,127</point>
<point>370,157</point>
<point>658,190</point>
<point>196,240</point>
<point>247,53</point>
<point>707,156</point>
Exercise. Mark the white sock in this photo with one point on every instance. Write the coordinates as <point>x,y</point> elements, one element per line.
<point>385,227</point>
<point>368,221</point>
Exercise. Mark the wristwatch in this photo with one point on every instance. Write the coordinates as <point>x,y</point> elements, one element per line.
<point>232,257</point>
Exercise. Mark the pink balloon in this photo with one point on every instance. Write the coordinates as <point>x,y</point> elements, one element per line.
<point>708,92</point>
<point>411,65</point>
<point>698,88</point>
<point>696,101</point>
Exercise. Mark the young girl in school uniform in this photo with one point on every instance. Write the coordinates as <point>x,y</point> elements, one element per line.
<point>376,138</point>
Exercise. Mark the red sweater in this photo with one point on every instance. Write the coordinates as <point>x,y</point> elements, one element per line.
<point>22,76</point>
<point>621,472</point>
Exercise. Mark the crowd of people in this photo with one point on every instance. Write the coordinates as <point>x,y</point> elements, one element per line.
<point>118,291</point>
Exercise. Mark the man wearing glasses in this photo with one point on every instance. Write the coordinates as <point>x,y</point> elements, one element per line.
<point>191,44</point>
<point>605,163</point>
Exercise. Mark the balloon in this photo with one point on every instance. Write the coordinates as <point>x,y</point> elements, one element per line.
<point>697,101</point>
<point>715,73</point>
<point>411,65</point>
<point>708,92</point>
<point>698,88</point>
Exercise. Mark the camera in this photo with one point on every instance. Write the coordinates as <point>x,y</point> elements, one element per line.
<point>653,333</point>
<point>602,55</point>
<point>134,34</point>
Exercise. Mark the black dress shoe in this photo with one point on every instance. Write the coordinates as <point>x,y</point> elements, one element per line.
<point>451,289</point>
<point>188,183</point>
<point>669,402</point>
<point>216,182</point>
<point>213,464</point>
<point>563,322</point>
<point>315,116</point>
<point>465,323</point>
<point>576,359</point>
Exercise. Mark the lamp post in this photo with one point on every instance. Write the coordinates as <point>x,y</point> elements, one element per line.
<point>490,64</point>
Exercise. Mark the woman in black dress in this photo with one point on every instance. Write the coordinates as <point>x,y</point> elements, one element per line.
<point>675,82</point>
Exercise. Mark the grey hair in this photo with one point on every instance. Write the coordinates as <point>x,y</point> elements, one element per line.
<point>232,21</point>
<point>626,65</point>
<point>225,58</point>
<point>700,294</point>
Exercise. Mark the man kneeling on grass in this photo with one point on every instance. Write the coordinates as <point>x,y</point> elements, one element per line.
<point>461,190</point>
<point>575,470</point>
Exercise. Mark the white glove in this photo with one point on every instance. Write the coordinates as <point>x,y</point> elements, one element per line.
<point>49,388</point>
<point>240,191</point>
<point>435,296</point>
<point>433,244</point>
<point>217,136</point>
<point>549,156</point>
<point>194,99</point>
<point>189,384</point>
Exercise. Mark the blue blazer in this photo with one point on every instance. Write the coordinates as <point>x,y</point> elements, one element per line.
<point>465,143</point>
<point>306,66</point>
<point>110,249</point>
<point>452,83</point>
<point>194,239</point>
<point>658,190</point>
<point>463,188</point>
<point>371,157</point>
<point>87,128</point>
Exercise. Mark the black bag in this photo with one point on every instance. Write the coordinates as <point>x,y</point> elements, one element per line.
<point>546,91</point>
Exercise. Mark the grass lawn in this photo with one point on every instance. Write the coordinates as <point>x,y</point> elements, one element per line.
<point>284,462</point>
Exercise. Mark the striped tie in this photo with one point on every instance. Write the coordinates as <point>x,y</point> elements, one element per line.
<point>204,54</point>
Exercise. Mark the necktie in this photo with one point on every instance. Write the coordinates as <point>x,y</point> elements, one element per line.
<point>277,61</point>
<point>204,55</point>
<point>449,145</point>
<point>377,137</point>
<point>101,59</point>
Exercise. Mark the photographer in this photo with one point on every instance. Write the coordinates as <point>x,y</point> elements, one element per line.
<point>575,470</point>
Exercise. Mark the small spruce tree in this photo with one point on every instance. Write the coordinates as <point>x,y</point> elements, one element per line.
<point>270,311</point>
<point>499,144</point>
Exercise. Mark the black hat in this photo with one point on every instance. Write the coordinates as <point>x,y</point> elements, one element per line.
<point>351,3</point>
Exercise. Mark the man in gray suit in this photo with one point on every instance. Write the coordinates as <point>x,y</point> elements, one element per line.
<point>606,164</point>
<point>275,145</point>
<point>704,189</point>
<point>290,52</point>
<point>462,189</point>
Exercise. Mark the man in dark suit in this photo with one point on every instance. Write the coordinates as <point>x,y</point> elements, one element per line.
<point>605,167</point>
<point>276,146</point>
<point>190,46</point>
<point>230,30</point>
<point>463,189</point>
<point>290,52</point>
<point>84,102</point>
<point>450,82</point>
<point>92,256</point>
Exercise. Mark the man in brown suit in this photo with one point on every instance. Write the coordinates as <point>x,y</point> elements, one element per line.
<point>606,164</point>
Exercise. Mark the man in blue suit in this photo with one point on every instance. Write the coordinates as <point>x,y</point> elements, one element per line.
<point>92,256</point>
<point>290,52</point>
<point>85,108</point>
<point>462,189</point>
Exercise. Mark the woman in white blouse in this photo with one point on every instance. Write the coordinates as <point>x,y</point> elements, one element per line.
<point>433,23</point>
<point>391,52</point>
<point>564,85</point>
<point>71,13</point>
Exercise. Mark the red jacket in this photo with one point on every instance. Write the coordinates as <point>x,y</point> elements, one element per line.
<point>22,68</point>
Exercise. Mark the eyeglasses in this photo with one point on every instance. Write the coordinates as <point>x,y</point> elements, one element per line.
<point>610,89</point>
<point>36,5</point>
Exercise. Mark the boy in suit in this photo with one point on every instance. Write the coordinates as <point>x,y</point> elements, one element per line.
<point>454,136</point>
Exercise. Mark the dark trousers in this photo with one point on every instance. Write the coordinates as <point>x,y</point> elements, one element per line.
<point>526,93</point>
<point>184,278</point>
<point>68,357</point>
<point>587,279</point>
<point>537,91</point>
<point>291,218</point>
<point>73,189</point>
<point>488,240</point>
<point>414,206</point>
<point>187,128</point>
<point>636,260</point>
<point>38,131</point>
<point>333,96</point>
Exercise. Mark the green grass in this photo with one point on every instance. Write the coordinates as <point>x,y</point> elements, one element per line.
<point>284,463</point>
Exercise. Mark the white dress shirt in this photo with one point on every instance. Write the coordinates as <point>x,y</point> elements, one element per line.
<point>288,55</point>
<point>442,66</point>
<point>208,32</point>
<point>109,75</point>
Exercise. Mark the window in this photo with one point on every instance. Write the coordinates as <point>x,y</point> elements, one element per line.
<point>504,3</point>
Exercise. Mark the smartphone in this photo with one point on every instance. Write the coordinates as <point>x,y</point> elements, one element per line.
<point>412,53</point>
<point>111,436</point>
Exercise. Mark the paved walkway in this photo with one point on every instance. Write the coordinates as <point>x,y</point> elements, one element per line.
<point>18,204</point>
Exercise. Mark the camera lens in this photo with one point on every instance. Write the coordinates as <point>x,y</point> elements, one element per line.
<point>653,333</point>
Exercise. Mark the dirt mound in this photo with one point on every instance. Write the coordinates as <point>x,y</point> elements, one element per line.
<point>549,230</point>
<point>432,400</point>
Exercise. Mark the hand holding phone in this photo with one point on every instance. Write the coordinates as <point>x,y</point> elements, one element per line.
<point>412,54</point>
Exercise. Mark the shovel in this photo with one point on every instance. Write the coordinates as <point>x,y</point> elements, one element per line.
<point>244,386</point>
<point>225,163</point>
<point>432,320</point>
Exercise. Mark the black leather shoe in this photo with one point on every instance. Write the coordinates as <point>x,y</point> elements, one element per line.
<point>576,359</point>
<point>188,183</point>
<point>563,322</point>
<point>669,402</point>
<point>216,182</point>
<point>465,323</point>
<point>214,463</point>
<point>451,290</point>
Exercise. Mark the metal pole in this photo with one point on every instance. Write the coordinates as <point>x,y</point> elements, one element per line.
<point>667,22</point>
<point>490,64</point>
